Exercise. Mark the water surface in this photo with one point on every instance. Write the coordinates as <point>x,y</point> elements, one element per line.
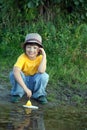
<point>15,117</point>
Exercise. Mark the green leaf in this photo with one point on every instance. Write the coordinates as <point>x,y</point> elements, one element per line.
<point>31,5</point>
<point>76,3</point>
<point>86,14</point>
<point>81,1</point>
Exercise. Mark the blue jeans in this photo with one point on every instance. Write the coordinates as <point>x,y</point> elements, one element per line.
<point>36,83</point>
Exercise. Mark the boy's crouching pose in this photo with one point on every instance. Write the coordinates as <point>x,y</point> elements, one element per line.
<point>28,75</point>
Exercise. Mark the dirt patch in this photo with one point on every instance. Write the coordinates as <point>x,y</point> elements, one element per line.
<point>56,93</point>
<point>63,94</point>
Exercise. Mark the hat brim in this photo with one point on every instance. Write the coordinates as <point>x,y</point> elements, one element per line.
<point>35,42</point>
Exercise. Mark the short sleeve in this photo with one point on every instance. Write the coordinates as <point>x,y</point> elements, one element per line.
<point>20,62</point>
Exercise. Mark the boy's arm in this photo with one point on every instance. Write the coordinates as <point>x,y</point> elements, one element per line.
<point>19,79</point>
<point>42,66</point>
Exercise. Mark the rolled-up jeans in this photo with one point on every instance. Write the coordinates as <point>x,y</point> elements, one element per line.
<point>36,83</point>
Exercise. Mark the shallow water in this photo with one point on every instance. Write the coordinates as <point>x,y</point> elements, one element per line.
<point>15,117</point>
<point>66,118</point>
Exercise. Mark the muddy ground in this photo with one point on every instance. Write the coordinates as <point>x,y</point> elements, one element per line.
<point>57,93</point>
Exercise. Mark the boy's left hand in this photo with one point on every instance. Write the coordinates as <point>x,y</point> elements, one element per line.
<point>42,51</point>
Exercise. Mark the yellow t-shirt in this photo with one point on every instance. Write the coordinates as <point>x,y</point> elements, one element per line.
<point>28,67</point>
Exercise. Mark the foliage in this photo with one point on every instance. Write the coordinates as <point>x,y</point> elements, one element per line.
<point>64,36</point>
<point>77,6</point>
<point>15,12</point>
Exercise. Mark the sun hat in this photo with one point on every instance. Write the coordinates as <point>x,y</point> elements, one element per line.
<point>33,38</point>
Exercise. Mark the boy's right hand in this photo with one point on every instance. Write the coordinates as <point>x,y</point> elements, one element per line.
<point>29,93</point>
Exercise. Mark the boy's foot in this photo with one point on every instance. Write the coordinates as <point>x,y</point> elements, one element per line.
<point>42,100</point>
<point>15,98</point>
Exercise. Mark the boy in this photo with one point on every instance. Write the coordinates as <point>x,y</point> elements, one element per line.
<point>28,75</point>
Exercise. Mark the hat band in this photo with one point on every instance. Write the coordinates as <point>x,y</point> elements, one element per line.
<point>33,40</point>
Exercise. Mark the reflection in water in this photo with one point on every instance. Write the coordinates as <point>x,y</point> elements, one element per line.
<point>58,118</point>
<point>26,120</point>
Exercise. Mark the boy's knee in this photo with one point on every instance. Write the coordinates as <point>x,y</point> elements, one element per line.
<point>45,76</point>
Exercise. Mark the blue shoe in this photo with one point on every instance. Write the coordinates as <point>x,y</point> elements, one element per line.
<point>42,100</point>
<point>15,98</point>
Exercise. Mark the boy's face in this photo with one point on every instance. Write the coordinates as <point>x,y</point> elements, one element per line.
<point>32,51</point>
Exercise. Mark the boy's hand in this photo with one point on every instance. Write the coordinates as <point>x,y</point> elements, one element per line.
<point>42,51</point>
<point>29,93</point>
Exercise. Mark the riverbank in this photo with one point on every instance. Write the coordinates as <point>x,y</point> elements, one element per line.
<point>57,94</point>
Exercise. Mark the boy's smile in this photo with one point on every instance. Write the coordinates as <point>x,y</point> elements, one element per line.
<point>32,51</point>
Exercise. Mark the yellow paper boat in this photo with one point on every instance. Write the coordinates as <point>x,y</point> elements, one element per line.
<point>32,107</point>
<point>29,105</point>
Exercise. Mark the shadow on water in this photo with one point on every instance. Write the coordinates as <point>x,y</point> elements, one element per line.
<point>15,117</point>
<point>19,118</point>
